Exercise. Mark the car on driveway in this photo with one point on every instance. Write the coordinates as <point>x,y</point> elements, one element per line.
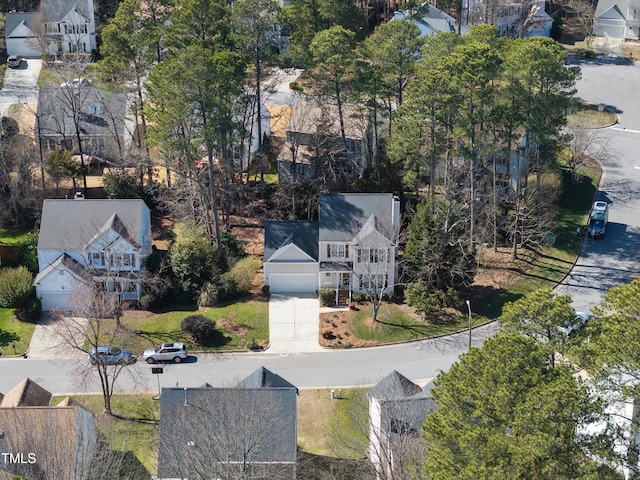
<point>77,83</point>
<point>14,61</point>
<point>170,351</point>
<point>576,324</point>
<point>111,356</point>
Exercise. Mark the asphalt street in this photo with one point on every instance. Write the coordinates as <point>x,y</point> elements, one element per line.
<point>612,83</point>
<point>603,263</point>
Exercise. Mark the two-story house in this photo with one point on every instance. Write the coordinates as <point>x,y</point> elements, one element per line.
<point>352,247</point>
<point>76,113</point>
<point>314,145</point>
<point>61,26</point>
<point>83,241</point>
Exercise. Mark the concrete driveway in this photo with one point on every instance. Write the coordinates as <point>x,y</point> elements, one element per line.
<point>23,77</point>
<point>293,323</point>
<point>48,339</point>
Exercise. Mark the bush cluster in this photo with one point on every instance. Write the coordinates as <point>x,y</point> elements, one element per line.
<point>16,286</point>
<point>199,327</point>
<point>327,296</point>
<point>244,271</point>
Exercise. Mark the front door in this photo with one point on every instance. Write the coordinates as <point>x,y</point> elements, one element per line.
<point>345,279</point>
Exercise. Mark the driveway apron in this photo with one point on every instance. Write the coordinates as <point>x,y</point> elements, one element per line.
<point>48,340</point>
<point>293,323</point>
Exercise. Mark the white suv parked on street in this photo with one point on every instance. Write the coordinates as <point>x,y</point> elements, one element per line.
<point>172,351</point>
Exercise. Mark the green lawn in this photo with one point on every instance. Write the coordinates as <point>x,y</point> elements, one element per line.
<point>136,431</point>
<point>14,334</point>
<point>239,324</point>
<point>394,325</point>
<point>13,237</point>
<point>553,262</point>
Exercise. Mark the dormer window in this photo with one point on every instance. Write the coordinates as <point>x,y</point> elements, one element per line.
<point>99,109</point>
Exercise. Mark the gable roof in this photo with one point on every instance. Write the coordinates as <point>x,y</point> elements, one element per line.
<point>63,450</point>
<point>302,234</point>
<point>211,427</point>
<point>14,20</point>
<point>264,378</point>
<point>72,224</point>
<point>56,106</point>
<point>58,9</point>
<point>394,386</point>
<point>26,394</point>
<point>622,7</point>
<point>432,21</point>
<point>341,216</point>
<point>67,262</point>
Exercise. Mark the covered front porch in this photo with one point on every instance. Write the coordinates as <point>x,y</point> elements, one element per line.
<point>339,277</point>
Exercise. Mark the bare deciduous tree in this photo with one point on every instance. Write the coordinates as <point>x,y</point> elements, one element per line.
<point>230,433</point>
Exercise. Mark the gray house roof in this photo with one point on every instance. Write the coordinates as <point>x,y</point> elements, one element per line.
<point>215,429</point>
<point>72,224</point>
<point>13,20</point>
<point>264,378</point>
<point>622,6</point>
<point>58,9</point>
<point>303,234</point>
<point>394,386</point>
<point>101,114</point>
<point>342,215</point>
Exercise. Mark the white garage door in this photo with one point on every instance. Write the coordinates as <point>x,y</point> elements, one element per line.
<point>19,47</point>
<point>292,282</point>
<point>54,301</point>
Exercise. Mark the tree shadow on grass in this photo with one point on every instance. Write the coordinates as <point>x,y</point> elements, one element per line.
<point>6,338</point>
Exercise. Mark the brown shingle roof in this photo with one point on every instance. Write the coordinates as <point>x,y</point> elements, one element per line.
<point>26,394</point>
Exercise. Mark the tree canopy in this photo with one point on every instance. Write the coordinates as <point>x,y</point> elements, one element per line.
<point>505,412</point>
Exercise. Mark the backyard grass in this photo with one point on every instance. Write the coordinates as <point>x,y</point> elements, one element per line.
<point>14,334</point>
<point>136,431</point>
<point>239,324</point>
<point>333,427</point>
<point>13,237</point>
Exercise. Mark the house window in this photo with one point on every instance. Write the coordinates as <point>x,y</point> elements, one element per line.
<point>122,260</point>
<point>372,255</point>
<point>340,251</point>
<point>92,109</point>
<point>370,282</point>
<point>97,259</point>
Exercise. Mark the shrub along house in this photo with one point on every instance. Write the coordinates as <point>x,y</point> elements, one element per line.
<point>83,241</point>
<point>351,248</point>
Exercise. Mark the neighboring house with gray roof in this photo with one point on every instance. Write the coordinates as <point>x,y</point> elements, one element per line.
<point>351,248</point>
<point>83,241</point>
<point>314,146</point>
<point>246,431</point>
<point>431,22</point>
<point>100,119</point>
<point>617,19</point>
<point>61,26</point>
<point>397,410</point>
